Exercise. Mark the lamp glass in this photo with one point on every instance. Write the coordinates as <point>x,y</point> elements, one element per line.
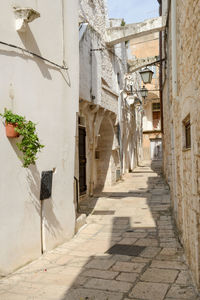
<point>144,92</point>
<point>146,75</point>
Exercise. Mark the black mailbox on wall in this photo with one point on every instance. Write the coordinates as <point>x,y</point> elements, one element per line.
<point>46,185</point>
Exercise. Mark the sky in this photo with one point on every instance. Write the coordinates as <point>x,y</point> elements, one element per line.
<point>133,11</point>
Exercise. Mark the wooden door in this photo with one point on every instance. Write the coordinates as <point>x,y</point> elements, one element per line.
<point>82,160</point>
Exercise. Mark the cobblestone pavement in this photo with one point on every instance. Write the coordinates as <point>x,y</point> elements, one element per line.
<point>127,250</point>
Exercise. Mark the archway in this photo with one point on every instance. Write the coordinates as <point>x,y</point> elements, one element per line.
<point>105,164</point>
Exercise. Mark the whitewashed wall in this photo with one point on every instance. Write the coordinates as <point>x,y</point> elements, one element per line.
<point>42,93</point>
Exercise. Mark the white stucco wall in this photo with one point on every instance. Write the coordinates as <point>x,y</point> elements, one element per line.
<point>98,64</point>
<point>42,93</point>
<point>147,118</point>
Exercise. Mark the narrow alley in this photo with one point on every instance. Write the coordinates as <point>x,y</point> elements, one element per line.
<point>127,250</point>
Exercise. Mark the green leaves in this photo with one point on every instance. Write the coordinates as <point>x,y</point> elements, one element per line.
<point>30,144</point>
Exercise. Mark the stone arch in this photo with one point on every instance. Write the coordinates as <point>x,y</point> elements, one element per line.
<point>104,160</point>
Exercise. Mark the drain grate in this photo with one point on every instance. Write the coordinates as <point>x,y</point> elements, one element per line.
<point>129,250</point>
<point>103,212</point>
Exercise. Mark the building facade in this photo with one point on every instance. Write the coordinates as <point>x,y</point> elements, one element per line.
<point>107,122</point>
<point>181,107</point>
<point>46,94</point>
<point>143,48</point>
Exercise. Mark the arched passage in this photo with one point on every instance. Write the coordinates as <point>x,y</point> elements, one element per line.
<point>104,161</point>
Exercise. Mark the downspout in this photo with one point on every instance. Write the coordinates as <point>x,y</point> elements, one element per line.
<point>173,36</point>
<point>172,8</point>
<point>174,98</point>
<point>120,129</point>
<point>161,71</point>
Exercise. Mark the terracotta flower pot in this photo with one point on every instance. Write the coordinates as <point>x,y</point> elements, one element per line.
<point>10,130</point>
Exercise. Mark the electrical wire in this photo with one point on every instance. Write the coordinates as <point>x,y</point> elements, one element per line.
<point>34,54</point>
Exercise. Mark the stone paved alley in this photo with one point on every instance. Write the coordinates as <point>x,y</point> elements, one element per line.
<point>127,250</point>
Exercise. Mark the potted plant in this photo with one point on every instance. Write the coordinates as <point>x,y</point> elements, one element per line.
<point>30,145</point>
<point>11,122</point>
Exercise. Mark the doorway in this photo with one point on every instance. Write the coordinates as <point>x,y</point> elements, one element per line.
<point>156,149</point>
<point>82,160</point>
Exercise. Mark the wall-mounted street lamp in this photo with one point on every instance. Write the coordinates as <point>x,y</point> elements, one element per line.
<point>146,75</point>
<point>144,92</point>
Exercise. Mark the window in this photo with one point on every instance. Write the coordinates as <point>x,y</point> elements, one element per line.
<point>118,79</point>
<point>156,106</point>
<point>156,115</point>
<point>187,132</point>
<point>187,135</point>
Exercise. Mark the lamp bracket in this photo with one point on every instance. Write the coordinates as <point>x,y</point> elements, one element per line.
<point>23,16</point>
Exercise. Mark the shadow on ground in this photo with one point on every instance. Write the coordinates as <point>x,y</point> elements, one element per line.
<point>128,250</point>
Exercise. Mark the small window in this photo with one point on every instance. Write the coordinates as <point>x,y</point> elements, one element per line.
<point>187,132</point>
<point>187,135</point>
<point>81,121</point>
<point>118,79</point>
<point>156,120</point>
<point>97,154</point>
<point>156,106</point>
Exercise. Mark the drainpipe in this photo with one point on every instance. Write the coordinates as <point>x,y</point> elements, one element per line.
<point>120,129</point>
<point>174,57</point>
<point>161,71</point>
<point>173,179</point>
<point>174,98</point>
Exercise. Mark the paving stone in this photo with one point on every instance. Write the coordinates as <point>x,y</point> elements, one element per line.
<point>100,274</point>
<point>13,296</point>
<point>128,241</point>
<point>127,277</point>
<point>147,242</point>
<point>168,251</point>
<point>128,267</point>
<point>109,285</point>
<point>168,240</point>
<point>140,259</point>
<point>102,264</point>
<point>168,265</point>
<point>135,234</point>
<point>184,278</point>
<point>78,261</point>
<point>160,275</point>
<point>150,252</point>
<point>182,292</point>
<point>169,245</point>
<point>92,294</point>
<point>119,257</point>
<point>166,234</point>
<point>147,290</point>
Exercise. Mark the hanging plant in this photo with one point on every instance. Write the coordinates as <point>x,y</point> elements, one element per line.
<point>30,144</point>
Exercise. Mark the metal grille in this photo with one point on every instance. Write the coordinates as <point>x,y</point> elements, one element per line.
<point>129,250</point>
<point>46,185</point>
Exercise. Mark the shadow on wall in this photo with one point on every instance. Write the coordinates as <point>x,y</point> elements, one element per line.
<point>46,214</point>
<point>30,44</point>
<point>46,211</point>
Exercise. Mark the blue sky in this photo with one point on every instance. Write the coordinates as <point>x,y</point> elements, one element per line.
<point>133,11</point>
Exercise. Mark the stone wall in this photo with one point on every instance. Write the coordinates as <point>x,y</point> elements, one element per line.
<point>181,99</point>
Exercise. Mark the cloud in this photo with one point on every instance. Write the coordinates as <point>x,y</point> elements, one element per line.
<point>133,11</point>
